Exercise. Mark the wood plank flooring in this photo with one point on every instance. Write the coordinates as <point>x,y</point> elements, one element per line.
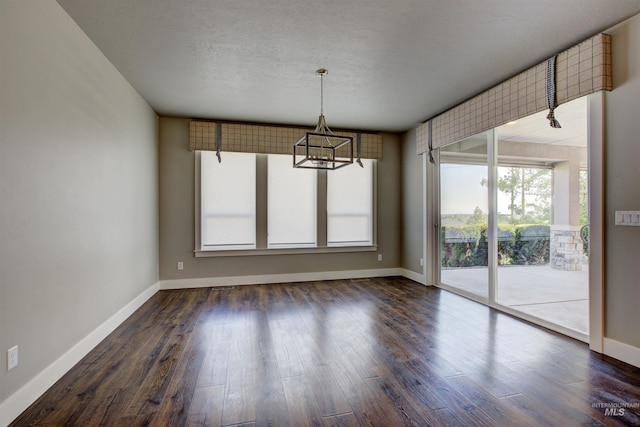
<point>370,352</point>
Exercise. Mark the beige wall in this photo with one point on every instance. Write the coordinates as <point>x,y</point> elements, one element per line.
<point>412,221</point>
<point>622,186</point>
<point>78,188</point>
<point>177,198</point>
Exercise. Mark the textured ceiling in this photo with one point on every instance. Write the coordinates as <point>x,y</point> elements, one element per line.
<point>392,64</point>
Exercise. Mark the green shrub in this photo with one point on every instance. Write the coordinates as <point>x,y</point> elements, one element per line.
<point>467,245</point>
<point>459,245</point>
<point>532,244</point>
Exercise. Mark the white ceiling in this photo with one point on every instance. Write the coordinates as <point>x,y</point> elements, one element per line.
<point>535,128</point>
<point>392,63</point>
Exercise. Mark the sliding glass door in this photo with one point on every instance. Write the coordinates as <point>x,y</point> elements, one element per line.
<point>514,219</point>
<point>542,212</point>
<point>464,208</point>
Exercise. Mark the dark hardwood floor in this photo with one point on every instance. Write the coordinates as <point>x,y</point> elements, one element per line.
<point>371,352</point>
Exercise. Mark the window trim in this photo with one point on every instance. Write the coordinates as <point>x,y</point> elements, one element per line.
<point>284,251</point>
<point>261,219</point>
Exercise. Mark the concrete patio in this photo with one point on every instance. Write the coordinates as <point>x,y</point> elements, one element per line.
<point>557,296</point>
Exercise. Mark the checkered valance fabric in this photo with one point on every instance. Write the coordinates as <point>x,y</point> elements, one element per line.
<point>579,71</point>
<point>267,139</point>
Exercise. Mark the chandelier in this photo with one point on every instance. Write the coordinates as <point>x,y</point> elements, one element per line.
<point>321,148</point>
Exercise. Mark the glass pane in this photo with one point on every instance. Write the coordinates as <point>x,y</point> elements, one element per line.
<point>292,204</point>
<point>542,262</point>
<point>228,201</point>
<point>350,205</point>
<point>464,208</point>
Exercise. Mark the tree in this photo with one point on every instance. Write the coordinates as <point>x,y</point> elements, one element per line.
<point>584,198</point>
<point>477,217</point>
<point>529,193</point>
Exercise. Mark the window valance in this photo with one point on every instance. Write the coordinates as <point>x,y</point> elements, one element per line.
<point>267,139</point>
<point>579,71</point>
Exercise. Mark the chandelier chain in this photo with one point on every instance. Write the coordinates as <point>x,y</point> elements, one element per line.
<point>321,94</point>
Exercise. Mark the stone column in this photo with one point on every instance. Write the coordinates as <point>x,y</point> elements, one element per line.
<point>565,241</point>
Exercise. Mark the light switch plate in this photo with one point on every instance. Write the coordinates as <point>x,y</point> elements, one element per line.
<point>628,218</point>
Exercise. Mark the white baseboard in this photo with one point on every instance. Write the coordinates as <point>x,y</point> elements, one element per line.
<point>416,277</point>
<point>15,404</point>
<point>208,282</point>
<point>621,351</point>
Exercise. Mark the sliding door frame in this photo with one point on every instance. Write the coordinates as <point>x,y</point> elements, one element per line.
<point>595,138</point>
<point>595,135</point>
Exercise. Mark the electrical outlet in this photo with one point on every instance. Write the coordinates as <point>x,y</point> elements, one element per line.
<point>180,265</point>
<point>379,257</point>
<point>12,358</point>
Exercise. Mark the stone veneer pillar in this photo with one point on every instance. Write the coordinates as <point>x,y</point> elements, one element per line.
<point>566,248</point>
<point>564,240</point>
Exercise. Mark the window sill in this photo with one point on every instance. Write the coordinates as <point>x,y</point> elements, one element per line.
<point>285,251</point>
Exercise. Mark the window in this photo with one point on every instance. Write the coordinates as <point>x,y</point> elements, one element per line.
<point>350,206</point>
<point>260,204</point>
<point>291,203</point>
<point>228,218</point>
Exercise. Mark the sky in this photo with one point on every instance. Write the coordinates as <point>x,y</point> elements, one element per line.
<point>460,189</point>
